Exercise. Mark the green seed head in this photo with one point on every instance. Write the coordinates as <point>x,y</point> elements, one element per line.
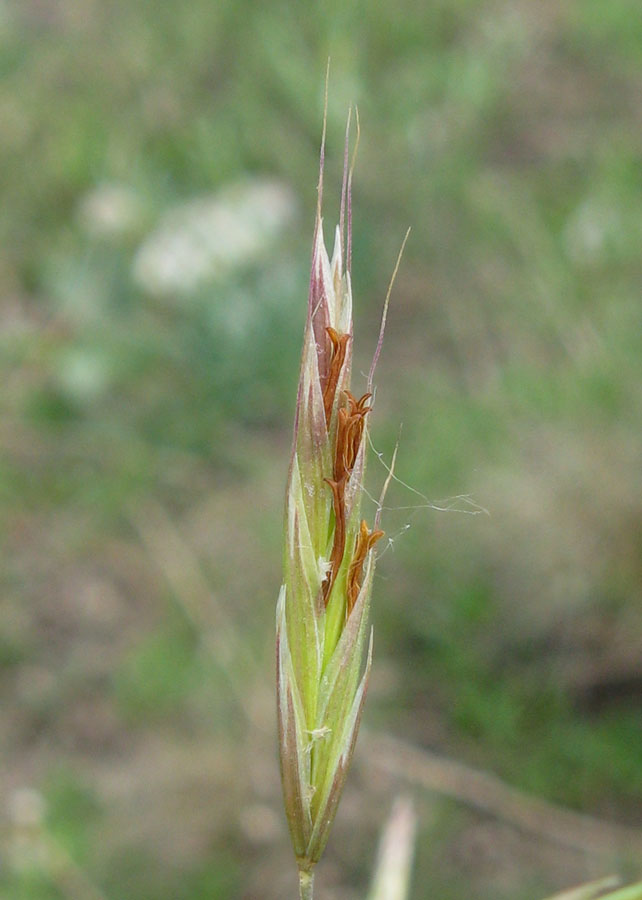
<point>323,605</point>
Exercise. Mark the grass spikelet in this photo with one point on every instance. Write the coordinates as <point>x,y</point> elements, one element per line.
<point>324,645</point>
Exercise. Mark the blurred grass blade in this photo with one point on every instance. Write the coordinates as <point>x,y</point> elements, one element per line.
<point>597,889</point>
<point>632,892</point>
<point>391,879</point>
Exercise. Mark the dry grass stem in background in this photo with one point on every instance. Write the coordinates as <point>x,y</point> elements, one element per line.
<point>487,793</point>
<point>170,551</point>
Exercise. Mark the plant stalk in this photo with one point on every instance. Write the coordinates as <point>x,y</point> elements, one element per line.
<point>306,885</point>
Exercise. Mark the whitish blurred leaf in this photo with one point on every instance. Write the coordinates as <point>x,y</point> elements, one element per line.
<point>394,863</point>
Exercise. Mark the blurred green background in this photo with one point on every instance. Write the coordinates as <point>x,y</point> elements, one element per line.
<point>158,163</point>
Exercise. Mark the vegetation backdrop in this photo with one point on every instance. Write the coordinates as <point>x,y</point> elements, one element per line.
<point>158,165</point>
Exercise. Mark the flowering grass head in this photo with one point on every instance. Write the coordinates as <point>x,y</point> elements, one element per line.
<point>322,614</point>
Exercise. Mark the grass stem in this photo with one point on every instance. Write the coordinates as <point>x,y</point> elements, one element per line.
<point>306,885</point>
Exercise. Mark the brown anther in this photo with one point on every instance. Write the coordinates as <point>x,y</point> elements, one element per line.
<point>364,544</point>
<point>343,462</point>
<point>350,425</point>
<point>339,351</point>
<point>349,434</point>
<point>358,406</point>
